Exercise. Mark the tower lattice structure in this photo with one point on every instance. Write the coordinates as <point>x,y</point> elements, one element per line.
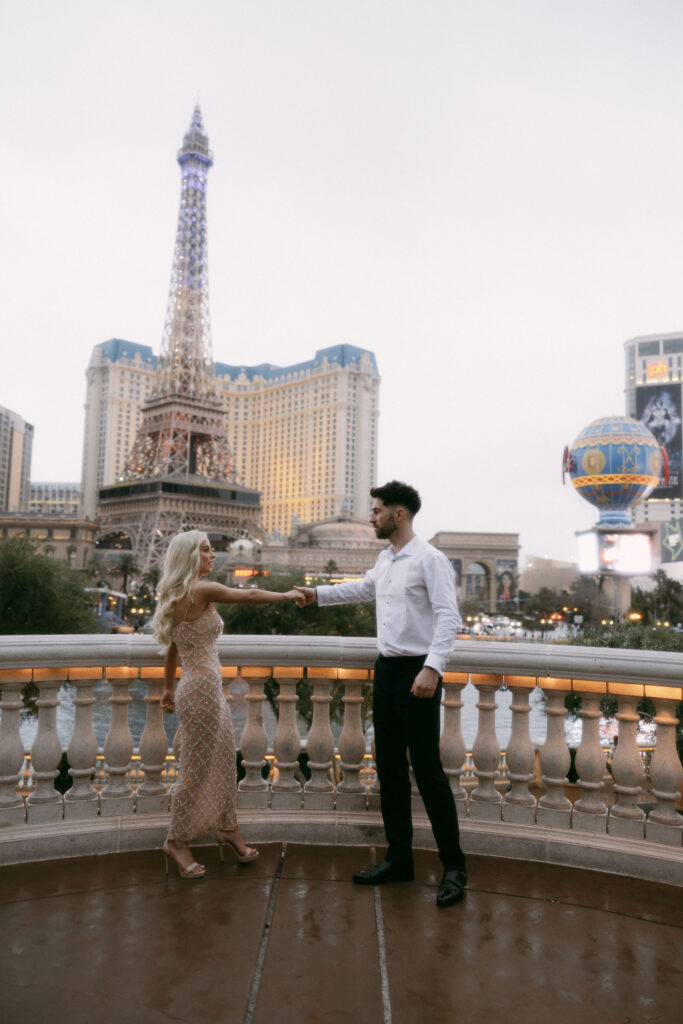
<point>182,431</point>
<point>180,474</point>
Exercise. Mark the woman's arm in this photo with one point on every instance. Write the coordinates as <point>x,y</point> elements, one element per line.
<point>168,692</point>
<point>208,592</point>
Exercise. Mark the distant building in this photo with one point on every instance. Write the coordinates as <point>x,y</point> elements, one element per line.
<point>119,379</point>
<point>339,546</point>
<point>304,435</point>
<point>70,538</point>
<point>547,572</point>
<point>486,568</point>
<point>654,376</point>
<point>16,445</point>
<point>653,395</point>
<point>54,499</point>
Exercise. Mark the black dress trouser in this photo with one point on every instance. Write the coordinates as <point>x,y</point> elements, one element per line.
<point>403,723</point>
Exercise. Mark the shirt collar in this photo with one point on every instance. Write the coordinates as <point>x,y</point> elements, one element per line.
<point>407,550</point>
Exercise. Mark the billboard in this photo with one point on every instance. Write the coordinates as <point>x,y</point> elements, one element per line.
<point>672,541</point>
<point>506,579</point>
<point>614,553</point>
<point>658,407</point>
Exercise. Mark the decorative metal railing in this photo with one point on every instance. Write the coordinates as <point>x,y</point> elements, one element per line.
<point>533,794</point>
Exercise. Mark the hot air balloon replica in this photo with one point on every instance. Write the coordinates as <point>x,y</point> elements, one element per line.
<point>614,463</point>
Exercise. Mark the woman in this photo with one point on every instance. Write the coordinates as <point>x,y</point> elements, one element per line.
<point>187,624</point>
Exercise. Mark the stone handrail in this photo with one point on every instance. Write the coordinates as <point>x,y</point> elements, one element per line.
<point>618,835</point>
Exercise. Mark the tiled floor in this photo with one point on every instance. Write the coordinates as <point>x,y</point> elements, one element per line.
<point>289,940</point>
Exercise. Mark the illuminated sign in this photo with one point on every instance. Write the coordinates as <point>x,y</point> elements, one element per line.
<point>243,574</point>
<point>658,370</point>
<point>624,553</point>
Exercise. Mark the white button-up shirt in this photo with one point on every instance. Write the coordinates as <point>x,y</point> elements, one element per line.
<point>417,609</point>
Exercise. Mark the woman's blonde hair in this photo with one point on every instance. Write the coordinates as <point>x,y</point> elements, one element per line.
<point>181,567</point>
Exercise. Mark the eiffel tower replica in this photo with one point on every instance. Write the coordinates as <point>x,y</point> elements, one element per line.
<point>179,474</point>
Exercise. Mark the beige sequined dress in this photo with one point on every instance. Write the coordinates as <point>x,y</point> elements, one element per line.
<point>205,796</point>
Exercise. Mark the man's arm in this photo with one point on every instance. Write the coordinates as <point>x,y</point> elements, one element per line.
<point>348,593</point>
<point>439,580</point>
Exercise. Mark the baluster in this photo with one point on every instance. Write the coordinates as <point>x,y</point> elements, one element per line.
<point>590,813</point>
<point>229,674</point>
<point>45,803</point>
<point>253,789</point>
<point>286,790</point>
<point>12,753</point>
<point>117,796</point>
<point>351,793</point>
<point>152,796</point>
<point>452,743</point>
<point>82,800</point>
<point>626,818</point>
<point>518,803</point>
<point>319,790</point>
<point>554,809</point>
<point>374,799</point>
<point>485,800</point>
<point>176,747</point>
<point>665,824</point>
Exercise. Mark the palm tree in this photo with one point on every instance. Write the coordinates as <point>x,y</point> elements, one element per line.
<point>126,566</point>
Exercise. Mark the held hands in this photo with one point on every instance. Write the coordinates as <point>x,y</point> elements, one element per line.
<point>307,596</point>
<point>425,683</point>
<point>298,598</point>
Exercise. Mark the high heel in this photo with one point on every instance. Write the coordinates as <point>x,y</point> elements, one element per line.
<point>244,858</point>
<point>193,870</point>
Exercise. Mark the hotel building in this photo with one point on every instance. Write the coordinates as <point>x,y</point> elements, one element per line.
<point>654,378</point>
<point>16,445</point>
<point>304,435</point>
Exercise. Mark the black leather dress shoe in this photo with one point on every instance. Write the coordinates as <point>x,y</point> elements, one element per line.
<point>385,871</point>
<point>452,888</point>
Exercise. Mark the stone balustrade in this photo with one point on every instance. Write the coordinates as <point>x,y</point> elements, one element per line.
<point>512,803</point>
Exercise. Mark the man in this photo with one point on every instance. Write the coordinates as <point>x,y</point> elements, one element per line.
<point>417,619</point>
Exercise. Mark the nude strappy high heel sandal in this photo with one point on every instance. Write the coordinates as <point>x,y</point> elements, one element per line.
<point>244,858</point>
<point>193,870</point>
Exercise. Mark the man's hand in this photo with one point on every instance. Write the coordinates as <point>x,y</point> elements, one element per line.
<point>308,594</point>
<point>425,683</point>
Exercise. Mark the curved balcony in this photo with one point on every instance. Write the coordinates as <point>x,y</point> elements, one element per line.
<point>289,939</point>
<point>515,804</point>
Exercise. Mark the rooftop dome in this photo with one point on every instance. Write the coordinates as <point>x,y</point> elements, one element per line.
<point>341,531</point>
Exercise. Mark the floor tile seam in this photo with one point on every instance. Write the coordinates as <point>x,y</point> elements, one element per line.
<point>125,885</point>
<point>259,967</point>
<point>577,906</point>
<point>382,955</point>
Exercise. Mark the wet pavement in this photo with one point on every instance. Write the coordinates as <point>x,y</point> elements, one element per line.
<point>290,940</point>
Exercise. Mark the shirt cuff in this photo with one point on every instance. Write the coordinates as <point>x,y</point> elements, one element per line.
<point>435,662</point>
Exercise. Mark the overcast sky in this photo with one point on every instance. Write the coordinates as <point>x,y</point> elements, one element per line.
<point>487,194</point>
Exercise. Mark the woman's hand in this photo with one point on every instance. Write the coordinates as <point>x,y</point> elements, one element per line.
<point>307,595</point>
<point>168,701</point>
<point>296,596</point>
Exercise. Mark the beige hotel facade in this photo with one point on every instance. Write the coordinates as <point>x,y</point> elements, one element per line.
<point>304,435</point>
